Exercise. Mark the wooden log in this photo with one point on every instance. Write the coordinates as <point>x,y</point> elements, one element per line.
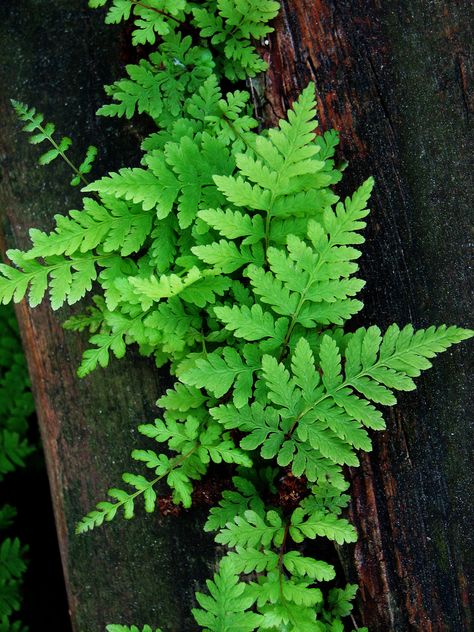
<point>395,79</point>
<point>57,56</point>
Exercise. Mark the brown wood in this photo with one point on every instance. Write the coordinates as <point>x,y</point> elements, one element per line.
<point>57,56</point>
<point>395,79</point>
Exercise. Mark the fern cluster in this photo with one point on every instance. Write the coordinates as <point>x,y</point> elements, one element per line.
<point>227,256</point>
<point>228,26</point>
<point>16,405</point>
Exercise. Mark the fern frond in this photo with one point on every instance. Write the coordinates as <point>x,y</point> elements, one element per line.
<point>44,132</point>
<point>113,225</point>
<point>125,501</point>
<point>218,373</point>
<point>160,85</point>
<point>253,324</point>
<point>227,606</point>
<point>251,530</point>
<point>235,502</point>
<point>68,279</point>
<point>155,17</point>
<point>234,24</point>
<point>227,256</point>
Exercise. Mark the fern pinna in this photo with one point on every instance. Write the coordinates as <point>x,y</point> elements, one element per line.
<point>228,257</point>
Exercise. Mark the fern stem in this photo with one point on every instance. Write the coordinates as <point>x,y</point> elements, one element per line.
<point>163,13</point>
<point>70,164</point>
<point>178,461</point>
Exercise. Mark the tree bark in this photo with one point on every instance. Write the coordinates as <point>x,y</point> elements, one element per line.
<point>57,56</point>
<point>396,79</point>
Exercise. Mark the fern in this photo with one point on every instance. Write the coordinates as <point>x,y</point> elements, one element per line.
<point>226,608</point>
<point>227,256</point>
<point>160,85</point>
<point>232,25</point>
<point>151,18</point>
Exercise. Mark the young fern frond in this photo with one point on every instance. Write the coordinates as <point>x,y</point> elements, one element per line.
<point>151,17</point>
<point>160,86</point>
<point>44,132</point>
<point>231,26</point>
<point>227,607</point>
<point>106,511</point>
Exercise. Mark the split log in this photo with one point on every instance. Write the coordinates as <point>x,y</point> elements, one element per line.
<point>396,79</point>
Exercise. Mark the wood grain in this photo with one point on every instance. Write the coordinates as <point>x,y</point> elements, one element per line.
<point>396,79</point>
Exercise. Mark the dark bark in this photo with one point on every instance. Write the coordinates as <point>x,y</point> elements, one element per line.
<point>395,79</point>
<point>57,56</point>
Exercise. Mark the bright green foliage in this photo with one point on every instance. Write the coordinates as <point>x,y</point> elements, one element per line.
<point>160,85</point>
<point>228,257</point>
<point>285,591</point>
<point>151,18</point>
<point>226,606</point>
<point>133,628</point>
<point>232,24</point>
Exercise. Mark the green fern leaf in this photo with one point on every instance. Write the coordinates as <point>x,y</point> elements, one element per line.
<point>320,524</point>
<point>226,608</point>
<point>251,530</point>
<point>318,570</point>
<point>218,373</point>
<point>252,324</point>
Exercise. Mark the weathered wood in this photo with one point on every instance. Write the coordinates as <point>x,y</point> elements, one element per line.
<point>394,78</point>
<point>57,56</point>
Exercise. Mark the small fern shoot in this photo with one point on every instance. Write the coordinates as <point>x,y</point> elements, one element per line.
<point>44,132</point>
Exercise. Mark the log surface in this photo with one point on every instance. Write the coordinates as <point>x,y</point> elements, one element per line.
<point>396,79</point>
<point>57,56</point>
